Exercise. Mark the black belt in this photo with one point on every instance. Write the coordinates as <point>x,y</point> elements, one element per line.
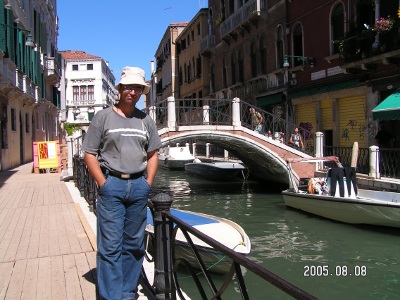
<point>122,175</point>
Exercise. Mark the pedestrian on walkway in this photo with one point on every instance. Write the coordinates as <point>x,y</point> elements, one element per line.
<point>121,154</point>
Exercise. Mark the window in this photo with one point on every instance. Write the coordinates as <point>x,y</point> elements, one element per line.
<point>91,92</point>
<point>192,35</point>
<point>4,123</point>
<point>75,94</point>
<point>27,123</point>
<point>298,44</point>
<point>263,55</point>
<point>74,67</point>
<point>198,66</point>
<point>337,27</point>
<point>241,66</point>
<point>279,48</point>
<point>13,120</point>
<point>198,29</point>
<point>224,79</point>
<point>89,66</point>
<point>83,93</point>
<point>253,59</point>
<point>233,68</point>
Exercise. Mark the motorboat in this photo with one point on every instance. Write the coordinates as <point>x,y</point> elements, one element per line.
<point>225,231</point>
<point>174,157</point>
<point>338,198</point>
<point>217,170</point>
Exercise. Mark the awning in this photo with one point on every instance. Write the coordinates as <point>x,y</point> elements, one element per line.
<point>269,99</point>
<point>388,109</point>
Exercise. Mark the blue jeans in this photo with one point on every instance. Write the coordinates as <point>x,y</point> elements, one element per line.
<point>121,222</point>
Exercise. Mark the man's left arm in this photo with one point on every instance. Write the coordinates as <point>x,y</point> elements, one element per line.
<point>152,166</point>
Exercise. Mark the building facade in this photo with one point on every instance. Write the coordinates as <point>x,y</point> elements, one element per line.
<point>193,68</point>
<point>87,86</point>
<point>340,68</point>
<point>29,78</point>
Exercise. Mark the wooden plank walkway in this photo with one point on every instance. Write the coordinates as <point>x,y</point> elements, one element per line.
<point>46,249</point>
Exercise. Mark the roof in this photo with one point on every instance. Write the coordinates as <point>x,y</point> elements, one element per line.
<point>77,55</point>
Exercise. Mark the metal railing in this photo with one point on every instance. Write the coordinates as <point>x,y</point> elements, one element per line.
<point>389,159</point>
<point>166,281</point>
<point>219,112</point>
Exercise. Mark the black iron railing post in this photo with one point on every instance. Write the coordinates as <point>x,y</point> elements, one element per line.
<point>163,282</point>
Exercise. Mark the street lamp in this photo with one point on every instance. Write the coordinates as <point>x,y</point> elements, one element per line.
<point>310,60</point>
<point>29,40</point>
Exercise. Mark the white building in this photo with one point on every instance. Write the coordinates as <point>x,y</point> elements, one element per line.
<point>87,86</point>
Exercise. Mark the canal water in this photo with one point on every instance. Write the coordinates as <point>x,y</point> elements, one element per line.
<point>329,260</point>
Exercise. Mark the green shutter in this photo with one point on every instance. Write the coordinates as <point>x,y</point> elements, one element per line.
<point>2,28</point>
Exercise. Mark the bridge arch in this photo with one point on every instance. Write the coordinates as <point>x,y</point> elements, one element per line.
<point>264,157</point>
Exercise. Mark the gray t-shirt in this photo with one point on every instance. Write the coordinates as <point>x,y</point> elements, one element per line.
<point>121,143</point>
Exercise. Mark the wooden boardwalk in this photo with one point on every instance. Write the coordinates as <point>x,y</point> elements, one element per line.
<point>46,249</point>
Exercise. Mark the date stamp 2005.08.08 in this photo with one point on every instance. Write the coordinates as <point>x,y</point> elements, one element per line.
<point>339,271</point>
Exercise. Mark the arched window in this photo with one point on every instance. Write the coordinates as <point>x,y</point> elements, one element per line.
<point>297,44</point>
<point>279,47</point>
<point>337,26</point>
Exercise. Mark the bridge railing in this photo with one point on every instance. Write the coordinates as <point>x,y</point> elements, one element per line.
<point>191,112</point>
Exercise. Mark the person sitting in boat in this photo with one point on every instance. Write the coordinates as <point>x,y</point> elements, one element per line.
<point>296,139</point>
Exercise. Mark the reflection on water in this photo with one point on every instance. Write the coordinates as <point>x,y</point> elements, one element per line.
<point>287,241</point>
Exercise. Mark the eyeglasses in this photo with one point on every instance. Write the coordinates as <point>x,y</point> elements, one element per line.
<point>136,89</point>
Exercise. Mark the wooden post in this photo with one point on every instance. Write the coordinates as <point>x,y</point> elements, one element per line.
<point>354,155</point>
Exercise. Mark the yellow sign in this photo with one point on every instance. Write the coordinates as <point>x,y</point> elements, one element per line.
<point>48,154</point>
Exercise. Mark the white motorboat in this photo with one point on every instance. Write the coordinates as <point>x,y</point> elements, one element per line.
<point>227,232</point>
<point>337,197</point>
<point>218,170</point>
<point>174,157</point>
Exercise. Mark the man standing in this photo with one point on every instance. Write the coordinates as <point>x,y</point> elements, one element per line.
<point>256,120</point>
<point>121,154</point>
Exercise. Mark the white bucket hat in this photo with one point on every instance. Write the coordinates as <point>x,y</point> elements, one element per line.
<point>133,75</point>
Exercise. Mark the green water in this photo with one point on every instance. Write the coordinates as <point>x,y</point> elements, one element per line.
<point>360,262</point>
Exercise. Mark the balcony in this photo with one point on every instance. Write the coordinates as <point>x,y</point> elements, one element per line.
<point>364,51</point>
<point>243,18</point>
<point>53,70</point>
<point>207,45</point>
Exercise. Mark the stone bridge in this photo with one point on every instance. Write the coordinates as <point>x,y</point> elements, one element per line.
<point>264,157</point>
<point>226,123</point>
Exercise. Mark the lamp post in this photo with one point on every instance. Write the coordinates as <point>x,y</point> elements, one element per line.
<point>29,40</point>
<point>308,59</point>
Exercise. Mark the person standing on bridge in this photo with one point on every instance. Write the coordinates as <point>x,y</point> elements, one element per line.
<point>296,139</point>
<point>121,154</point>
<point>256,120</point>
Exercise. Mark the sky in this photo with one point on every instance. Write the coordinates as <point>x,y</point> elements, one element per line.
<point>122,32</point>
